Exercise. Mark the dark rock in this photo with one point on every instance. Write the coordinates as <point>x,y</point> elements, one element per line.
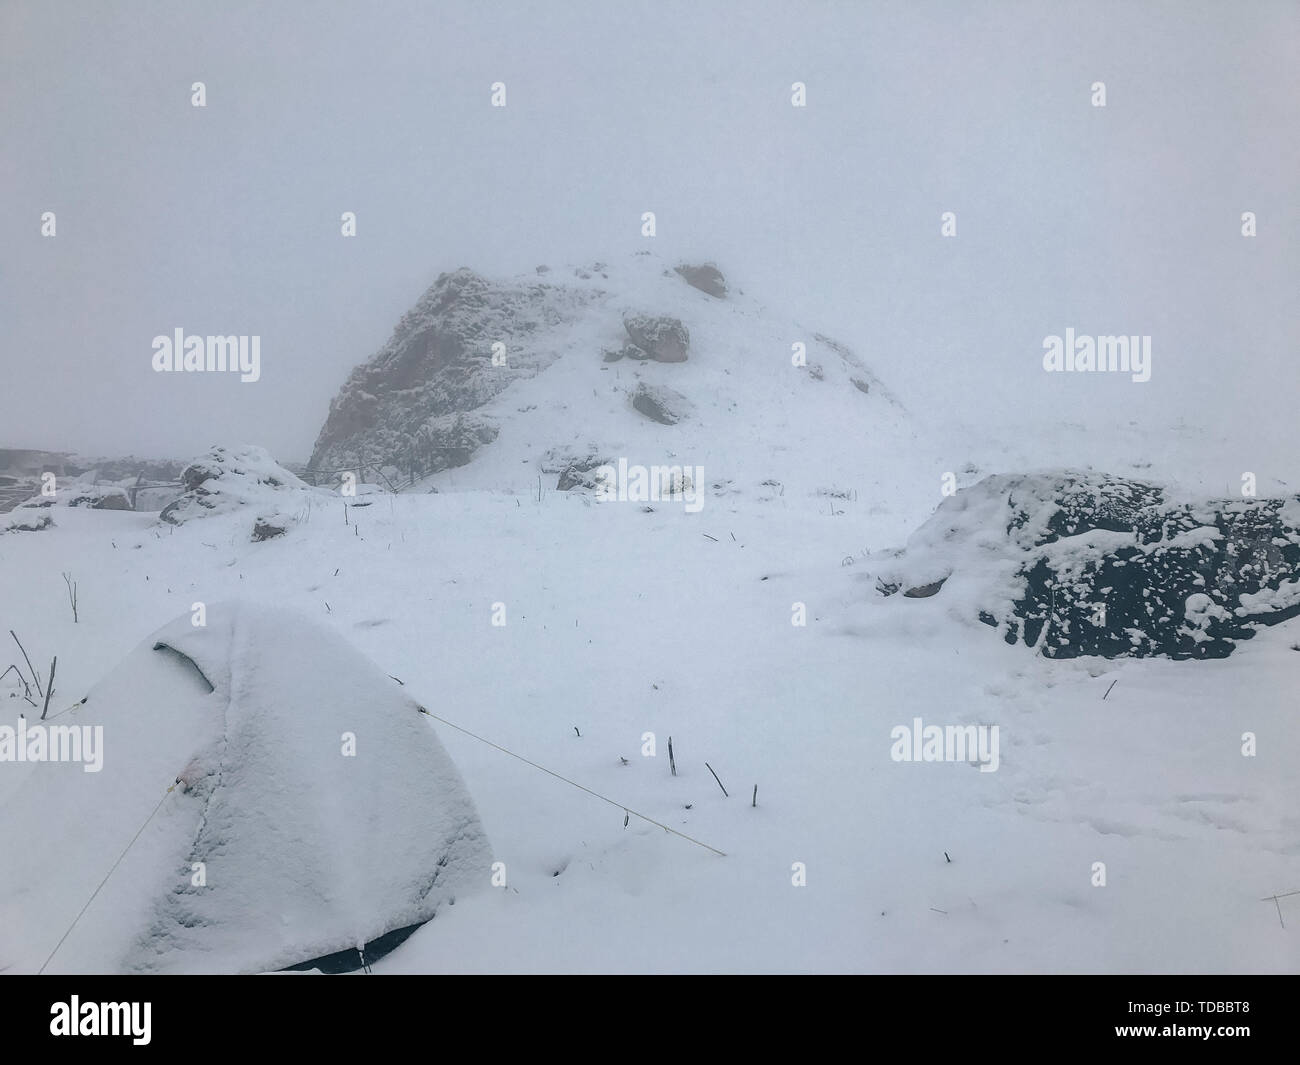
<point>265,530</point>
<point>924,591</point>
<point>660,404</point>
<point>627,351</point>
<point>666,339</point>
<point>30,523</point>
<point>707,278</point>
<point>1102,565</point>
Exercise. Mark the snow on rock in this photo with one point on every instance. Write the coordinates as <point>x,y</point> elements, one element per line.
<point>706,277</point>
<point>230,479</point>
<point>486,377</point>
<point>1082,563</point>
<point>663,338</point>
<point>79,493</point>
<point>439,363</point>
<point>660,403</point>
<point>27,522</point>
<point>276,848</point>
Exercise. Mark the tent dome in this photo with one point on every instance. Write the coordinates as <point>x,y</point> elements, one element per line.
<point>316,815</point>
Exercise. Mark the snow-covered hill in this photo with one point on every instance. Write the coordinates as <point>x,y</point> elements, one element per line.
<point>760,398</point>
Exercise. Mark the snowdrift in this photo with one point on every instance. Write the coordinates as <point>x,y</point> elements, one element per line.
<point>314,811</point>
<point>1083,563</point>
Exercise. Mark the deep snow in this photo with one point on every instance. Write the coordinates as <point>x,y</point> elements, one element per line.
<point>622,622</point>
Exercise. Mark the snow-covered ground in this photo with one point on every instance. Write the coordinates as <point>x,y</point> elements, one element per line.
<point>621,622</point>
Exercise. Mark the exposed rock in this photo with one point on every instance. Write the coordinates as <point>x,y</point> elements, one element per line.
<point>707,278</point>
<point>1083,563</point>
<point>924,591</point>
<point>574,466</point>
<point>666,339</point>
<point>438,364</point>
<point>572,477</point>
<point>661,404</point>
<point>627,351</point>
<point>79,494</point>
<point>30,523</point>
<point>266,530</point>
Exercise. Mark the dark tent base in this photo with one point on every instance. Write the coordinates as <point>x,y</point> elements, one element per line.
<point>350,960</point>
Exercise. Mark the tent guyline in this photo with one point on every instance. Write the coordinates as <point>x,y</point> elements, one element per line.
<point>110,872</point>
<point>604,798</point>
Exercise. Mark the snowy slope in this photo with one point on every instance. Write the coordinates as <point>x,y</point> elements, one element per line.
<point>621,622</point>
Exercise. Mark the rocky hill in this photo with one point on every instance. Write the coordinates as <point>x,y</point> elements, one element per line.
<point>559,371</point>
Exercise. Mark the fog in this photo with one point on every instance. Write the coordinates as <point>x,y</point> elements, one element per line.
<point>225,219</point>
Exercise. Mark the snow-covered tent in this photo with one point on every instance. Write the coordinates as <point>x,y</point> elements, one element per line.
<point>316,815</point>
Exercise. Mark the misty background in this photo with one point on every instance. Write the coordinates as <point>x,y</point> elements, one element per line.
<point>226,219</point>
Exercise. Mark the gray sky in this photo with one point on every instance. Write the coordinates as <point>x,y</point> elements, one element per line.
<point>226,219</point>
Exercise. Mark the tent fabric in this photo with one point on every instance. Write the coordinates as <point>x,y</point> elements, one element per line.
<point>317,810</point>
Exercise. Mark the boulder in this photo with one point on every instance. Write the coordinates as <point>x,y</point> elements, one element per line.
<point>660,404</point>
<point>227,478</point>
<point>706,277</point>
<point>666,339</point>
<point>1081,563</point>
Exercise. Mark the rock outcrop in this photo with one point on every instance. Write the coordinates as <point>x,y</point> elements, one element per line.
<point>664,339</point>
<point>409,406</point>
<point>1079,563</point>
<point>226,480</point>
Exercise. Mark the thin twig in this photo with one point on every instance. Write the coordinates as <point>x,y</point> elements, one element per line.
<point>715,777</point>
<point>26,687</point>
<point>72,594</point>
<point>35,676</point>
<point>50,690</point>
